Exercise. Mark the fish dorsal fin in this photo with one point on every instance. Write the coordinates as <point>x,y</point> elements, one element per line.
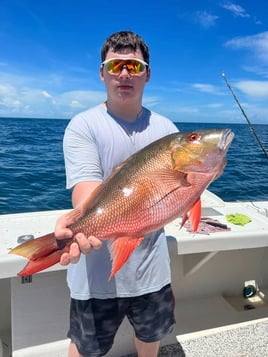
<point>117,168</point>
<point>120,249</point>
<point>82,209</point>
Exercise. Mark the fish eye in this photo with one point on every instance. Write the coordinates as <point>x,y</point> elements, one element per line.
<point>193,137</point>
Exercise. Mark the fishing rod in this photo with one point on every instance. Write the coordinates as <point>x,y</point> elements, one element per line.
<point>245,115</point>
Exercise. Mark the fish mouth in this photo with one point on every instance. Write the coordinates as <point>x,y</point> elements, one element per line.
<point>216,161</point>
<point>226,140</point>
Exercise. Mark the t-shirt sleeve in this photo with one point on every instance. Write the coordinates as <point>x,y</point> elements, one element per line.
<point>82,161</point>
<point>172,127</point>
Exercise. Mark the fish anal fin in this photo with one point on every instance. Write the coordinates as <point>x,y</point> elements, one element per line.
<point>120,249</point>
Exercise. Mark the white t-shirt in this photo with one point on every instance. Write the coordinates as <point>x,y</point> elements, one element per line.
<point>94,143</point>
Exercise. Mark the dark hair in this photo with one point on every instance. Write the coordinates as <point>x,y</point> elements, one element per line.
<point>125,39</point>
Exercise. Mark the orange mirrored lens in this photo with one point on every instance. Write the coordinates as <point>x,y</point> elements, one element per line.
<point>116,66</point>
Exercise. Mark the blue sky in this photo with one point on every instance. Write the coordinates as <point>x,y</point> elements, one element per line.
<point>49,56</point>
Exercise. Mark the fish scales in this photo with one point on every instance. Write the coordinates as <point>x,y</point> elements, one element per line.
<point>134,202</point>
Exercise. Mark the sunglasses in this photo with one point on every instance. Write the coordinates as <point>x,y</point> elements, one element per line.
<point>116,65</point>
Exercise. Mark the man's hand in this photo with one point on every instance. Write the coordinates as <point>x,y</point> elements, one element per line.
<point>80,245</point>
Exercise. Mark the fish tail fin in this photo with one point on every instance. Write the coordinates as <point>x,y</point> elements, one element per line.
<point>39,264</point>
<point>42,253</point>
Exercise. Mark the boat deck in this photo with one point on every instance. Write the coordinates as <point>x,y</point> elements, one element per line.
<point>244,339</point>
<point>248,339</point>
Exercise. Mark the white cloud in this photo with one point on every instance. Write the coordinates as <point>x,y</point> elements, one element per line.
<point>183,109</point>
<point>257,44</point>
<point>256,89</point>
<point>205,19</point>
<point>260,70</point>
<point>7,89</point>
<point>151,101</point>
<point>215,105</point>
<point>43,96</point>
<point>28,101</point>
<point>46,94</point>
<point>189,110</point>
<point>9,97</point>
<point>206,88</point>
<point>236,10</point>
<point>76,104</point>
<point>80,98</point>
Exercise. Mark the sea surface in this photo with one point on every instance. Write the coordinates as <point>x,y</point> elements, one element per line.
<point>32,175</point>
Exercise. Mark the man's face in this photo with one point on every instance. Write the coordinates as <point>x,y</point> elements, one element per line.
<point>124,85</point>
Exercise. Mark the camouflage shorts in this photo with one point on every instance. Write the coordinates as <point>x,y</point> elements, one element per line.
<point>94,322</point>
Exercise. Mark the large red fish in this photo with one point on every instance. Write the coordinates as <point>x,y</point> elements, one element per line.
<point>150,189</point>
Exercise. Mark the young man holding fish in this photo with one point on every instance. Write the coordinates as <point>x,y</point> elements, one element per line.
<point>164,179</point>
<point>95,142</point>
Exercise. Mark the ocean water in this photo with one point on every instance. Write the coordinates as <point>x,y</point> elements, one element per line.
<point>32,175</point>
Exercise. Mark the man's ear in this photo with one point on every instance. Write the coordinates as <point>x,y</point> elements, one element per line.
<point>101,73</point>
<point>148,74</point>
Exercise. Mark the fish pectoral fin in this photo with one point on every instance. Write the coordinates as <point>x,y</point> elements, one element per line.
<point>194,215</point>
<point>120,249</point>
<point>169,178</point>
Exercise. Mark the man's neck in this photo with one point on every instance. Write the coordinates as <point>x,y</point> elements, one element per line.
<point>127,112</point>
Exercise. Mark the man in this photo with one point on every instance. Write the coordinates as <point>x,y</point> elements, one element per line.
<point>95,142</point>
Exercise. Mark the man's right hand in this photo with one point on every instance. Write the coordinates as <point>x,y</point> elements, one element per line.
<point>81,243</point>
